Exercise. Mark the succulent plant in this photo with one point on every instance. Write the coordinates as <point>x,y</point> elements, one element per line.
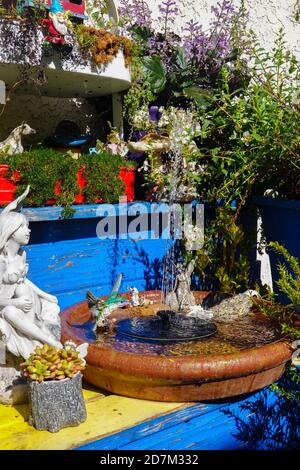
<point>50,363</point>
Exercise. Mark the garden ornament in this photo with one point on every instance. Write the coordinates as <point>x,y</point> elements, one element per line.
<point>58,32</point>
<point>181,298</point>
<point>29,317</point>
<point>13,143</point>
<point>101,309</point>
<point>134,300</point>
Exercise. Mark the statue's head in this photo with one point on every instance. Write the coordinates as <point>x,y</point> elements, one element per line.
<point>13,224</point>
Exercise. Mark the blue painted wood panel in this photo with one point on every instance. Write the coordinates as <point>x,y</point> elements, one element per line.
<point>66,258</point>
<point>69,268</point>
<point>238,424</point>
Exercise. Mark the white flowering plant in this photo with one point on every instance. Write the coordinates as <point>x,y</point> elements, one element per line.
<point>177,128</point>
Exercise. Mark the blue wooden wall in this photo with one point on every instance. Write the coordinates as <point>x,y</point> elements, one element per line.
<point>66,258</point>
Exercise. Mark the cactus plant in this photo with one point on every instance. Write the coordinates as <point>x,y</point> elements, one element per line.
<point>50,363</point>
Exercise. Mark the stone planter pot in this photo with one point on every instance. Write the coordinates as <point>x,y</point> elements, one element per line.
<point>56,404</point>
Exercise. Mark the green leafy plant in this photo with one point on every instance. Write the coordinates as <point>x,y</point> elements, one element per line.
<point>52,175</point>
<point>224,258</point>
<point>289,284</point>
<point>251,142</point>
<point>289,275</point>
<point>288,388</point>
<point>50,363</point>
<point>42,168</point>
<point>101,172</point>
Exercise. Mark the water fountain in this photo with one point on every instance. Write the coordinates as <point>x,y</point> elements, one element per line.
<point>151,352</point>
<point>162,345</point>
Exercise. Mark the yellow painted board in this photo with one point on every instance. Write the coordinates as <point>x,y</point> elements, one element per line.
<point>105,415</point>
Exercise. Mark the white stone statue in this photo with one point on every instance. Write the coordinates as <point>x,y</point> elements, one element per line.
<point>29,317</point>
<point>134,299</point>
<point>13,143</point>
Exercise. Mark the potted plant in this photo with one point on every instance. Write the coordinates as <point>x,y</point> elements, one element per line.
<point>55,387</point>
<point>56,178</point>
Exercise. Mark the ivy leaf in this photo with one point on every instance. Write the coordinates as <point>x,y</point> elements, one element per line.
<point>156,73</point>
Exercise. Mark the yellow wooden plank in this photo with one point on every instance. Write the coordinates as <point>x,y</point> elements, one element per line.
<point>105,415</point>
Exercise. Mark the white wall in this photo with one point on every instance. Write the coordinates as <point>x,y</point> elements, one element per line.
<point>266,17</point>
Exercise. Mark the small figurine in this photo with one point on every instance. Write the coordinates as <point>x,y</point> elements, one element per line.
<point>29,317</point>
<point>134,300</point>
<point>58,33</point>
<point>144,302</point>
<point>101,309</point>
<point>13,143</point>
<point>181,298</point>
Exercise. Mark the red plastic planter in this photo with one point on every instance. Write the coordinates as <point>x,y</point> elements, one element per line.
<point>128,176</point>
<point>8,186</point>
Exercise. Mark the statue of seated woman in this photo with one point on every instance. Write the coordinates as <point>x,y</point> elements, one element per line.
<point>29,317</point>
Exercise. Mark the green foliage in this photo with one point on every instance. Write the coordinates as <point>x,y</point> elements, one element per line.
<point>252,135</point>
<point>98,13</point>
<point>44,169</point>
<point>289,274</point>
<point>41,168</point>
<point>292,380</point>
<point>101,172</point>
<point>156,74</point>
<point>139,94</point>
<point>86,41</point>
<point>281,314</point>
<point>224,256</point>
<point>50,363</point>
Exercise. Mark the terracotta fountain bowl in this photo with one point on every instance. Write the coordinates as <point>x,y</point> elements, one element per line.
<point>183,378</point>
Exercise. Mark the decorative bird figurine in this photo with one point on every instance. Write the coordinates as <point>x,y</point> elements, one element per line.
<point>101,309</point>
<point>94,303</point>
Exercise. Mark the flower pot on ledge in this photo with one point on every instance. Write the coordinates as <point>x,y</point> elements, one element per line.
<point>8,186</point>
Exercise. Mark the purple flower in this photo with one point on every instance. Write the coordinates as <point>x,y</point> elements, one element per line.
<point>210,50</point>
<point>135,13</point>
<point>168,11</point>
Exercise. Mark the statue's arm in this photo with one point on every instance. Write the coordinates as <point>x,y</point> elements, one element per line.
<point>5,301</point>
<point>41,293</point>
